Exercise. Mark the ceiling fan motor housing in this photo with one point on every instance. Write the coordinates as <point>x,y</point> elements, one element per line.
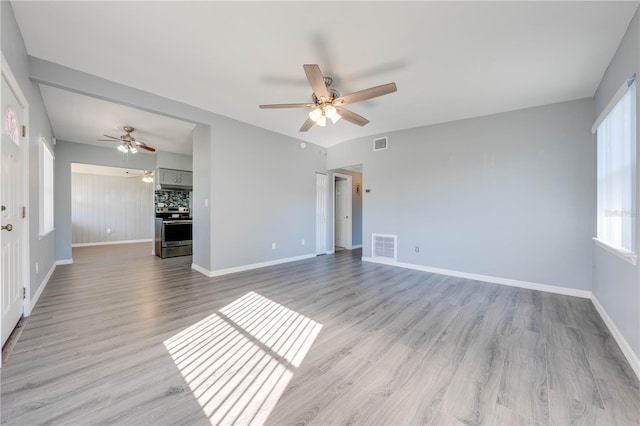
<point>333,95</point>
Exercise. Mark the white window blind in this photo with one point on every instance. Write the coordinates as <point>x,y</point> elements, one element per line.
<point>616,170</point>
<point>46,188</point>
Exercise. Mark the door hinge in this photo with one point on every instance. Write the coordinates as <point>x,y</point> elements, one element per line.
<point>24,131</point>
<point>24,292</point>
<point>24,212</point>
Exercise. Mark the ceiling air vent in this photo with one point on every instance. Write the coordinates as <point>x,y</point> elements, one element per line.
<point>383,246</point>
<point>380,144</point>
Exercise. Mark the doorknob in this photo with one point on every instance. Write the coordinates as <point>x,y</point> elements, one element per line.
<point>9,227</point>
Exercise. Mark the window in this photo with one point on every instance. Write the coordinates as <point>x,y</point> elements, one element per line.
<point>616,170</point>
<point>46,188</point>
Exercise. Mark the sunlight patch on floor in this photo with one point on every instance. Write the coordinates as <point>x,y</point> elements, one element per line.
<point>239,360</point>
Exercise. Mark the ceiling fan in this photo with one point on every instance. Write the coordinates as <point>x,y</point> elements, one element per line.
<point>147,176</point>
<point>327,102</point>
<point>127,142</point>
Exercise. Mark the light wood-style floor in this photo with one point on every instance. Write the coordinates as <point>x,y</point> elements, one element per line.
<point>122,337</point>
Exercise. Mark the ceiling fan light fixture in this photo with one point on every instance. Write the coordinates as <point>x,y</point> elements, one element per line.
<point>122,148</point>
<point>322,121</point>
<point>330,111</point>
<point>147,179</point>
<point>315,115</point>
<point>132,149</point>
<point>335,118</point>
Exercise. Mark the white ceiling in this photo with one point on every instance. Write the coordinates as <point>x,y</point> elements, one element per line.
<point>450,60</point>
<point>84,119</point>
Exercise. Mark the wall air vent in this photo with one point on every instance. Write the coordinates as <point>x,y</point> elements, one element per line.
<point>383,246</point>
<point>380,144</point>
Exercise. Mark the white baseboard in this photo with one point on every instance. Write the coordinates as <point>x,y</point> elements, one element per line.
<point>198,268</point>
<point>227,271</point>
<point>64,262</point>
<point>486,278</point>
<point>108,243</point>
<point>357,246</point>
<point>30,302</point>
<point>331,251</point>
<point>633,359</point>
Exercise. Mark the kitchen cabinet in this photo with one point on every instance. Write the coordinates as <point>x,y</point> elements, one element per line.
<point>174,179</point>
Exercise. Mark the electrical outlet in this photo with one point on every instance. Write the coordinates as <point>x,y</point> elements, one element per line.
<point>108,230</point>
<point>303,242</point>
<point>273,246</point>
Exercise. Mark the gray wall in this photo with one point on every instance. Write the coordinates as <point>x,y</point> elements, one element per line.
<point>172,160</point>
<point>264,189</point>
<point>616,283</point>
<point>248,175</point>
<point>110,208</point>
<point>70,152</point>
<point>508,195</point>
<point>201,197</point>
<point>14,51</point>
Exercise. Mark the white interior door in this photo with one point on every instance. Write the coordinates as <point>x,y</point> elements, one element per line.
<point>11,193</point>
<point>321,213</point>
<point>343,212</point>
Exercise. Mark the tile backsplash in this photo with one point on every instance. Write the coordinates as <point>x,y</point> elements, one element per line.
<point>173,198</point>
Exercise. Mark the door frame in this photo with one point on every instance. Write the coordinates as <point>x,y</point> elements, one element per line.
<point>24,149</point>
<point>349,178</point>
<point>322,211</point>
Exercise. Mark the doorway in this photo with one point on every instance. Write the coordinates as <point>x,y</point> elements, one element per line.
<point>111,205</point>
<point>14,239</point>
<point>321,214</point>
<point>342,217</point>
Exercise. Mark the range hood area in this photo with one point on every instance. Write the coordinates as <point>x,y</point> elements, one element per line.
<point>170,179</point>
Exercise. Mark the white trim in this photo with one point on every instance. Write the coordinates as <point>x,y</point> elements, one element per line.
<point>42,146</point>
<point>200,269</point>
<point>30,304</point>
<point>633,359</point>
<point>330,251</point>
<point>5,70</point>
<point>630,257</point>
<point>107,243</point>
<point>64,262</point>
<point>486,278</point>
<point>243,268</point>
<point>349,179</point>
<point>43,236</point>
<point>357,246</point>
<point>322,206</point>
<point>612,103</point>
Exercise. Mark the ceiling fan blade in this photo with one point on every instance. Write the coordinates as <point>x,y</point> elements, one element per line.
<point>352,117</point>
<point>307,125</point>
<point>108,140</point>
<point>316,80</point>
<point>146,147</point>
<point>363,95</point>
<point>270,106</point>
<point>112,137</point>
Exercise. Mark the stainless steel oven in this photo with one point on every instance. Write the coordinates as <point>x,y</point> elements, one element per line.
<point>174,237</point>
